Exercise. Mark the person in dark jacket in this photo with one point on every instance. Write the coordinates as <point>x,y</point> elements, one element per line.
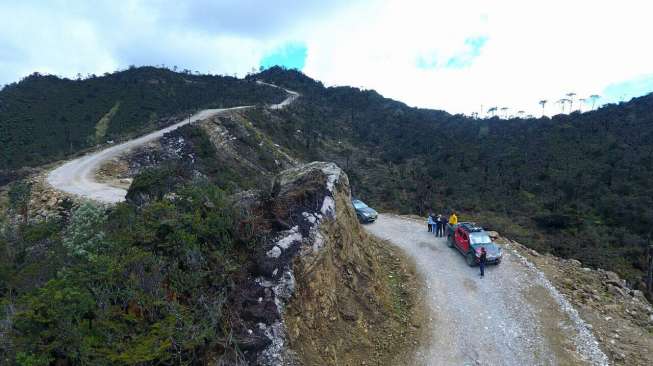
<point>481,261</point>
<point>431,223</point>
<point>440,222</point>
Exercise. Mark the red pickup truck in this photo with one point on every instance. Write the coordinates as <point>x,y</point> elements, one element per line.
<point>469,239</point>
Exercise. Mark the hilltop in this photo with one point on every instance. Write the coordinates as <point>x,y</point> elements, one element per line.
<point>45,118</point>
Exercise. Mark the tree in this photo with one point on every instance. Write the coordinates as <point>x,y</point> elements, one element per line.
<point>53,324</point>
<point>85,237</point>
<point>492,110</point>
<point>20,194</point>
<point>581,101</point>
<point>521,113</point>
<point>543,103</point>
<point>505,111</point>
<point>570,100</point>
<point>562,102</point>
<point>594,98</point>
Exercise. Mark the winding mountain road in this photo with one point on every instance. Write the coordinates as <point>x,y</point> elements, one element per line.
<point>513,316</point>
<point>78,176</point>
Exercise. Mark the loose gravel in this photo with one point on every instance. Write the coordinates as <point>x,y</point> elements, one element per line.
<point>496,320</point>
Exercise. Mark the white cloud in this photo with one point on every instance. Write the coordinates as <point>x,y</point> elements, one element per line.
<point>534,49</point>
<point>66,37</point>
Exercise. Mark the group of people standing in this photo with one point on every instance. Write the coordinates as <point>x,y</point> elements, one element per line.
<point>437,224</point>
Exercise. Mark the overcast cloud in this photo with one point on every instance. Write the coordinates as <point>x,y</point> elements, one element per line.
<point>453,55</point>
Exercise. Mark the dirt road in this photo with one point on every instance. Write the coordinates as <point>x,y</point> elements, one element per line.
<point>513,316</point>
<point>78,177</point>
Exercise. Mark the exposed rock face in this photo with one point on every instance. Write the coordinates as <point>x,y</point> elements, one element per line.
<point>46,202</point>
<point>320,286</point>
<point>172,147</point>
<point>304,198</point>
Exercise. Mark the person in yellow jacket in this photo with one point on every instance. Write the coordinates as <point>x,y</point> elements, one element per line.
<point>453,219</point>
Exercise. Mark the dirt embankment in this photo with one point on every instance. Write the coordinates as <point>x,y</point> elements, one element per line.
<point>358,300</point>
<point>331,294</point>
<point>621,318</point>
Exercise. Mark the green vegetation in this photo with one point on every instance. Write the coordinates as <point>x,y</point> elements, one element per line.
<point>103,124</point>
<point>133,285</point>
<point>153,281</point>
<point>46,118</point>
<point>576,185</point>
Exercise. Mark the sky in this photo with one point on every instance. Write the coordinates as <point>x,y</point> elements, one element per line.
<point>463,56</point>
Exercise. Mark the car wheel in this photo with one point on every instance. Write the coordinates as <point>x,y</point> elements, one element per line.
<point>449,241</point>
<point>471,260</point>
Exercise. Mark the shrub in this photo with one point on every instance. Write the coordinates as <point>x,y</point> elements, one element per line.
<point>84,236</point>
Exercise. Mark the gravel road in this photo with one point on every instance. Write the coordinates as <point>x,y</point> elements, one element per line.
<point>78,177</point>
<point>513,316</point>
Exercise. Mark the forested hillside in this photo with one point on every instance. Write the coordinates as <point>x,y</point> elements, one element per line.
<point>44,118</point>
<point>578,185</point>
<point>181,273</point>
<point>133,284</point>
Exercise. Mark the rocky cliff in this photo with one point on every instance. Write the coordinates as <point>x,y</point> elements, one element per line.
<point>324,292</point>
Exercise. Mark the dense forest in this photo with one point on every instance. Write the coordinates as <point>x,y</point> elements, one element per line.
<point>135,285</point>
<point>44,118</point>
<point>153,280</point>
<point>576,185</point>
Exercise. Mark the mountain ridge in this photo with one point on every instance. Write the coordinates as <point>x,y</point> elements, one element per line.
<point>45,118</point>
<point>574,185</point>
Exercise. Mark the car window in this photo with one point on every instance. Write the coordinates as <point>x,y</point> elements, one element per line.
<point>359,205</point>
<point>480,238</point>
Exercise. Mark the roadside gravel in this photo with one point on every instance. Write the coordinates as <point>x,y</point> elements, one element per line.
<point>513,316</point>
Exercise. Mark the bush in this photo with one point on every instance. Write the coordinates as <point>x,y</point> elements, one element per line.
<point>142,285</point>
<point>84,236</point>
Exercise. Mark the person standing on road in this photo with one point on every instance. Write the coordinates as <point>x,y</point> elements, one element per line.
<point>481,261</point>
<point>453,219</point>
<point>431,223</point>
<point>439,226</point>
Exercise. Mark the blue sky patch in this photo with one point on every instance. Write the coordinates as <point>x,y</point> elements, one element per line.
<point>292,55</point>
<point>625,90</point>
<point>473,47</point>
